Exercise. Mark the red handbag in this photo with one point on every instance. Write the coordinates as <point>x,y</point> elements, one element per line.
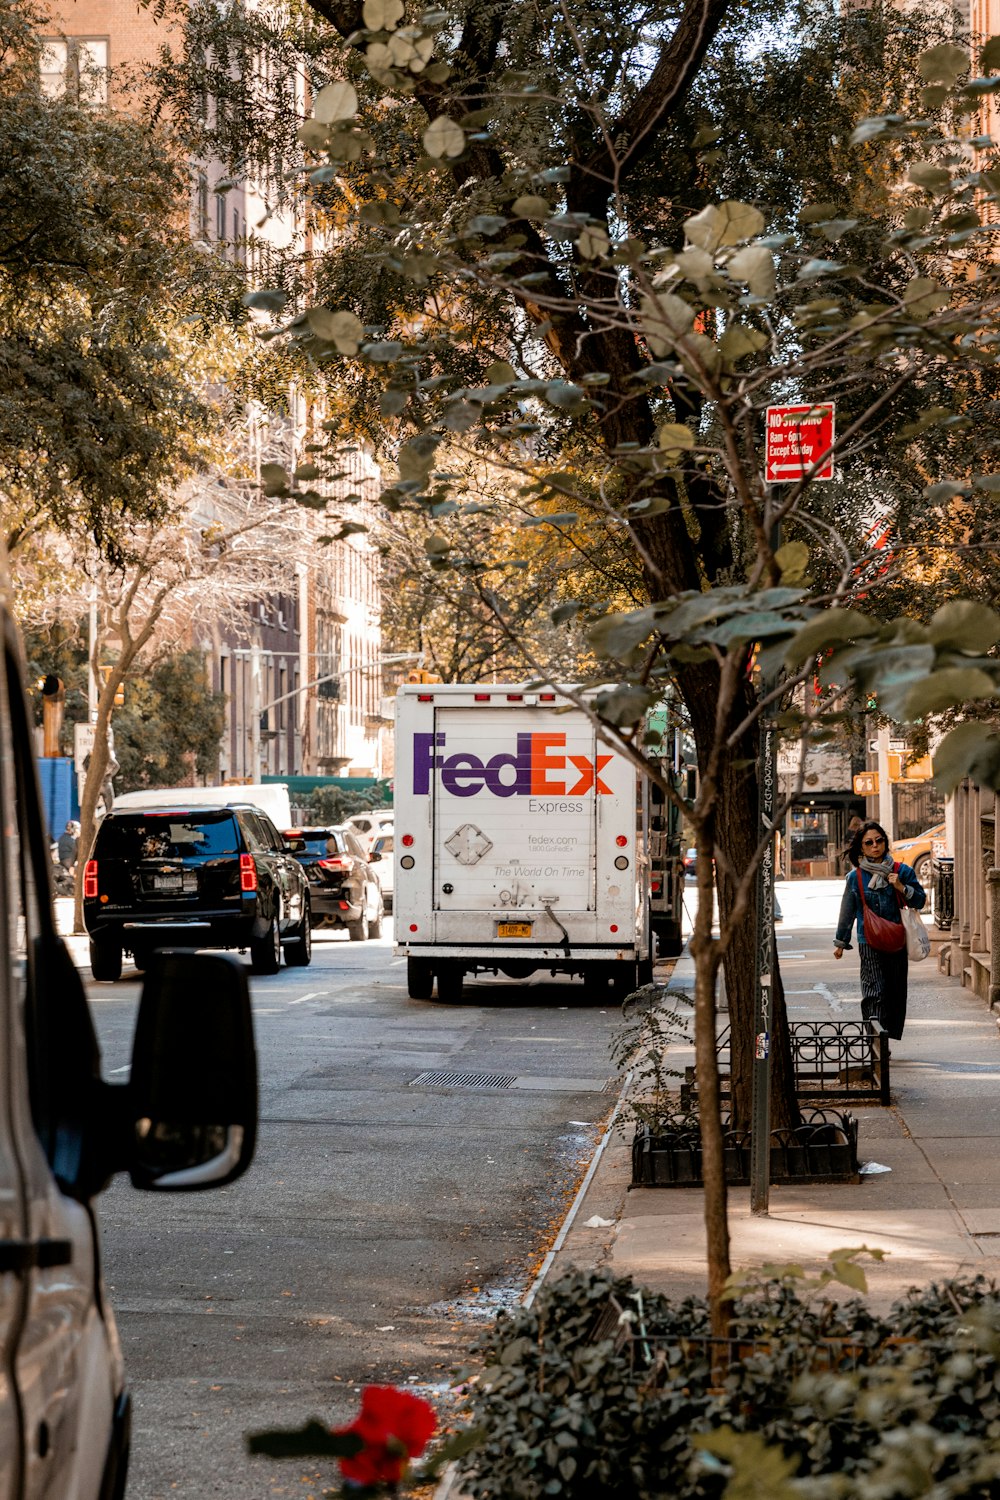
<point>881,934</point>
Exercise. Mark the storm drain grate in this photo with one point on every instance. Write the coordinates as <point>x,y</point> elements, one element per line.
<point>444,1078</point>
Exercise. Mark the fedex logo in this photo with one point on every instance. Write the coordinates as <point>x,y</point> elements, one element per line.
<point>539,766</point>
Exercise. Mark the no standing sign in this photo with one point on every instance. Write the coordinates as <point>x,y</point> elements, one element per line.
<point>798,436</point>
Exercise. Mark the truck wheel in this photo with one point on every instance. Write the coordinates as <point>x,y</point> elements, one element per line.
<point>105,959</point>
<point>623,976</point>
<point>419,979</point>
<point>141,959</point>
<point>450,981</point>
<point>265,955</point>
<point>358,931</point>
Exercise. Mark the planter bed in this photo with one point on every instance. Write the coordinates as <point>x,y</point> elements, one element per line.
<point>824,1148</point>
<point>846,1060</point>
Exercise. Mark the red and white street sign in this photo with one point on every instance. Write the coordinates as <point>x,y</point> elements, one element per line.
<point>796,437</point>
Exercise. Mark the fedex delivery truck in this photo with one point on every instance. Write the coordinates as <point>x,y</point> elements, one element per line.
<point>521,842</point>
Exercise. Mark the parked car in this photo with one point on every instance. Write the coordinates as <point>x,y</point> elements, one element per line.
<point>367,826</point>
<point>918,851</point>
<point>343,885</point>
<point>382,855</point>
<point>206,877</point>
<point>185,1120</point>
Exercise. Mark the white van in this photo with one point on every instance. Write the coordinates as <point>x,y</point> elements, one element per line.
<point>185,1120</point>
<point>270,796</point>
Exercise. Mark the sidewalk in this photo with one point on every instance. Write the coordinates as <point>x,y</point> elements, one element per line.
<point>936,1214</point>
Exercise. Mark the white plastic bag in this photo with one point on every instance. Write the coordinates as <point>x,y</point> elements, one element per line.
<point>918,944</point>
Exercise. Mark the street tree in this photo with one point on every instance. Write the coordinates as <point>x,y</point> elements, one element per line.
<point>671,353</point>
<point>545,229</point>
<point>105,305</point>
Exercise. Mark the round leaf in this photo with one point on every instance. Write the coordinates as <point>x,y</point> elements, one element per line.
<point>382,15</point>
<point>444,138</point>
<point>944,63</point>
<point>675,436</point>
<point>531,206</point>
<point>964,625</point>
<point>336,101</point>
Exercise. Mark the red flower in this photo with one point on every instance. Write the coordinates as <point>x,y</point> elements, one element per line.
<point>395,1426</point>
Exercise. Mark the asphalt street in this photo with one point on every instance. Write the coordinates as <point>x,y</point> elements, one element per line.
<point>385,1218</point>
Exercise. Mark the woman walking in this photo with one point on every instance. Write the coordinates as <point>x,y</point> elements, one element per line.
<point>876,883</point>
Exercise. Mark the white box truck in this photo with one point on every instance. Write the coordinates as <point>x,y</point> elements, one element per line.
<point>521,841</point>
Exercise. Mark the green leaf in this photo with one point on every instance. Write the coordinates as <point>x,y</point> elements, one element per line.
<point>266,301</point>
<point>988,482</point>
<point>929,176</point>
<point>531,206</point>
<point>336,101</point>
<point>563,612</point>
<point>343,329</point>
<point>727,224</point>
<point>989,58</point>
<point>306,472</point>
<point>501,373</point>
<point>443,138</point>
<point>754,264</point>
<point>565,395</point>
<point>382,15</point>
<point>849,1274</point>
<point>923,296</point>
<point>759,1469</point>
<point>832,628</point>
<point>673,437</point>
<point>947,489</point>
<point>617,635</point>
<point>592,242</point>
<point>818,267</point>
<point>273,478</point>
<point>943,64</point>
<point>663,320</point>
<point>968,750</point>
<point>868,129</point>
<point>793,560</point>
<point>964,625</point>
<point>947,689</point>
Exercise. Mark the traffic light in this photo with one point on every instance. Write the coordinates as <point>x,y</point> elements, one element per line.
<point>422,676</point>
<point>53,701</point>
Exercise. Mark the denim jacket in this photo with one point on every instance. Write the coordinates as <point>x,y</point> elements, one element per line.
<point>883,902</point>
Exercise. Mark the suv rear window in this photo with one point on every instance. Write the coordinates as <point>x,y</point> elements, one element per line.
<point>181,835</point>
<point>321,843</point>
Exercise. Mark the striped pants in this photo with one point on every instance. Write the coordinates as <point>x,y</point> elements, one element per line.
<point>883,988</point>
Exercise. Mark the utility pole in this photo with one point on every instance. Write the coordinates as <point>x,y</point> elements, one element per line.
<point>255,712</point>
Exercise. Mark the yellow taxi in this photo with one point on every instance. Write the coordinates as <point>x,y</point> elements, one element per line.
<point>918,851</point>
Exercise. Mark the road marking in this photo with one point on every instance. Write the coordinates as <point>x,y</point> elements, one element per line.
<point>831,999</point>
<point>126,1069</point>
<point>312,995</point>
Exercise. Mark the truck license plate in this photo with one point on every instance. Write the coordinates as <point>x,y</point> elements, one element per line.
<point>514,929</point>
<point>167,882</point>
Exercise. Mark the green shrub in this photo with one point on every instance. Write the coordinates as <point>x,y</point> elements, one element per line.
<point>910,1408</point>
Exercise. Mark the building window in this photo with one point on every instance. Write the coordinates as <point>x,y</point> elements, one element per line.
<point>77,66</point>
<point>201,207</point>
<point>220,218</point>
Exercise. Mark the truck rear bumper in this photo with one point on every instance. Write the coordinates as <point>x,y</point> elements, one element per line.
<point>493,955</point>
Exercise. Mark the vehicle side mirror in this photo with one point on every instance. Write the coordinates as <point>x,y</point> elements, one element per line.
<point>192,1093</point>
<point>295,846</point>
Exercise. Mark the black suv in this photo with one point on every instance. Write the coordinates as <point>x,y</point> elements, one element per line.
<point>343,887</point>
<point>200,877</point>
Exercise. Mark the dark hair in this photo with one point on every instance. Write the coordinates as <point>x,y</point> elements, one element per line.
<point>870,826</point>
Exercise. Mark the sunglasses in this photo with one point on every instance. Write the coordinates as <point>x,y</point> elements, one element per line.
<point>871,843</point>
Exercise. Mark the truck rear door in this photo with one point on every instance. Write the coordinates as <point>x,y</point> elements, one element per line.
<point>515,795</point>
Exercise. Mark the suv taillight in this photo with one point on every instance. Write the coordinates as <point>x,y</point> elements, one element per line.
<point>248,873</point>
<point>90,879</point>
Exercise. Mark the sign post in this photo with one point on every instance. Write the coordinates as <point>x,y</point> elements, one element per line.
<point>797,439</point>
<point>760,1108</point>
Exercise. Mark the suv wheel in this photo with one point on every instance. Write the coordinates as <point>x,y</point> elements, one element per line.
<point>375,926</point>
<point>299,955</point>
<point>358,931</point>
<point>105,959</point>
<point>265,956</point>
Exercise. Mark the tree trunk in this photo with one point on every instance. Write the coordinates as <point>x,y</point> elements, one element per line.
<point>713,1164</point>
<point>736,830</point>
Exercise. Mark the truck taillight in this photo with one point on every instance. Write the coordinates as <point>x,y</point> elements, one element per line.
<point>621,841</point>
<point>90,879</point>
<point>407,840</point>
<point>248,873</point>
<point>656,886</point>
<point>481,697</point>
